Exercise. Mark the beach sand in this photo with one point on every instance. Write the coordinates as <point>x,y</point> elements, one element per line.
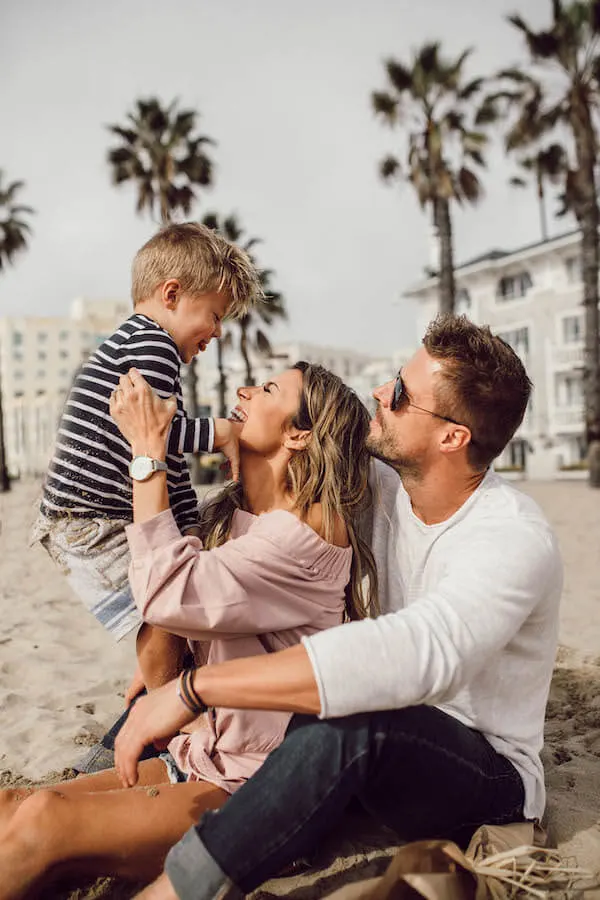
<point>62,680</point>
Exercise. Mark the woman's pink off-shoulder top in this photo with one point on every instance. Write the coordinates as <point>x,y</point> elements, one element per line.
<point>274,581</point>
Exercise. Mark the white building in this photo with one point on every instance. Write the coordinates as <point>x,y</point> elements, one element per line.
<point>38,359</point>
<point>532,297</point>
<point>359,370</point>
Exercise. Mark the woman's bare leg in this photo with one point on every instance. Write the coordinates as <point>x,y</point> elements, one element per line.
<point>125,832</point>
<point>150,771</point>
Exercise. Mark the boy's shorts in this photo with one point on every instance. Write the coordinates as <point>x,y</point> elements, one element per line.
<point>93,554</point>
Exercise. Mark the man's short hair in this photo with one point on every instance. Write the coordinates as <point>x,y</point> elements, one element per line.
<point>482,383</point>
<point>202,261</point>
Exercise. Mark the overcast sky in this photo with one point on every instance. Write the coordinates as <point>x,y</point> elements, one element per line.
<point>284,89</point>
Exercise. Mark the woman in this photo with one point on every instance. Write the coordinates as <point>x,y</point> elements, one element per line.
<point>283,561</point>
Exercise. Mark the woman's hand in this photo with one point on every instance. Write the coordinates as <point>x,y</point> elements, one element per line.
<point>136,686</point>
<point>142,416</point>
<point>155,718</point>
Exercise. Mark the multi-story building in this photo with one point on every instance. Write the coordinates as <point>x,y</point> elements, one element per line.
<point>38,359</point>
<point>359,370</point>
<point>531,297</point>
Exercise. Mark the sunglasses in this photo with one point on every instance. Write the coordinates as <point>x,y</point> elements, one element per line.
<point>400,399</point>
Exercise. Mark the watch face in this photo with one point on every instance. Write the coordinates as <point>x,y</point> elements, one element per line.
<point>141,468</point>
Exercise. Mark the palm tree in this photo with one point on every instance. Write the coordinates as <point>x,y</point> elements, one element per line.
<point>561,90</point>
<point>547,164</point>
<point>252,338</point>
<point>161,153</point>
<point>223,344</point>
<point>432,102</point>
<point>14,234</point>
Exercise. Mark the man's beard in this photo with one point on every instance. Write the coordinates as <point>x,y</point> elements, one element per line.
<point>383,448</point>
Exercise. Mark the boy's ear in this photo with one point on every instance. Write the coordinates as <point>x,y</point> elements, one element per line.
<point>170,293</point>
<point>295,439</point>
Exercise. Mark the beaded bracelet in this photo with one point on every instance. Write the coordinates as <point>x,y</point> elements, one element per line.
<point>188,695</point>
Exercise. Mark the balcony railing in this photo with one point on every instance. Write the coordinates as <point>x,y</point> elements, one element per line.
<point>567,417</point>
<point>570,355</point>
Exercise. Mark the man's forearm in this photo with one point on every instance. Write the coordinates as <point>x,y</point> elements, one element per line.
<point>282,681</point>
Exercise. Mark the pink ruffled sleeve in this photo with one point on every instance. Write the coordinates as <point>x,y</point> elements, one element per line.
<point>279,575</point>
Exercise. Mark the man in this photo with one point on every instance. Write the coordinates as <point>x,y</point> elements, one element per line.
<point>431,715</point>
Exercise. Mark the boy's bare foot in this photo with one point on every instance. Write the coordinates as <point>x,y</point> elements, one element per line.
<point>161,889</point>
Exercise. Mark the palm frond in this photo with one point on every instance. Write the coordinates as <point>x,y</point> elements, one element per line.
<point>469,185</point>
<point>389,168</point>
<point>385,105</point>
<point>471,88</point>
<point>262,343</point>
<point>400,76</point>
<point>428,59</point>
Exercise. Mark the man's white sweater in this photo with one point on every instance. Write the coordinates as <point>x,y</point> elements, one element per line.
<point>469,624</point>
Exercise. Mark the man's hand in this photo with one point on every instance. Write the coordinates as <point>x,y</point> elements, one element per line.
<point>227,440</point>
<point>155,718</point>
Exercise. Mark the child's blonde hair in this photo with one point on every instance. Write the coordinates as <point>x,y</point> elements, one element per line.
<point>202,261</point>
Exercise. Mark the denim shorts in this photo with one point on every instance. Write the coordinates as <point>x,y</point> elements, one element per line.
<point>176,776</point>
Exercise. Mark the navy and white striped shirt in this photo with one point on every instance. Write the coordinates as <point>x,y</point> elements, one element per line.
<point>88,475</point>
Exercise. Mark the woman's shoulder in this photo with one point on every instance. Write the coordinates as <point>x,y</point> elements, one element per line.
<point>295,539</point>
<point>315,520</point>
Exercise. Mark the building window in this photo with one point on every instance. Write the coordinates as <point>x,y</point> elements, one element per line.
<point>574,269</point>
<point>42,337</point>
<point>17,338</point>
<point>41,373</point>
<point>41,354</point>
<point>517,454</point>
<point>462,301</point>
<point>18,355</point>
<point>572,329</point>
<point>518,340</point>
<point>63,335</point>
<point>64,373</point>
<point>18,374</point>
<point>512,287</point>
<point>568,390</point>
<point>63,354</point>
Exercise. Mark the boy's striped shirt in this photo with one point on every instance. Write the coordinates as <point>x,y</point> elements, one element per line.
<point>88,474</point>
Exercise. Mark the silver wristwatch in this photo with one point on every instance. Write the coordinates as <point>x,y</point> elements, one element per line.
<point>142,467</point>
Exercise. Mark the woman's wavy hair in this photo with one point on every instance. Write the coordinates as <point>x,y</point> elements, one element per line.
<point>332,470</point>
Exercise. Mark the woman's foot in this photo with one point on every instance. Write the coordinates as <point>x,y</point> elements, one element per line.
<point>161,889</point>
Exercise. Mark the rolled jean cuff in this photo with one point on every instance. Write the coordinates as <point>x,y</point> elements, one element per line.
<point>194,874</point>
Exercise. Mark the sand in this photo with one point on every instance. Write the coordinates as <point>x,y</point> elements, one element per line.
<point>62,680</point>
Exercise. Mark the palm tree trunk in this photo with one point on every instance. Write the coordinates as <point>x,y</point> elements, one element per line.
<point>444,226</point>
<point>589,217</point>
<point>542,206</point>
<point>244,350</point>
<point>4,479</point>
<point>191,385</point>
<point>222,387</point>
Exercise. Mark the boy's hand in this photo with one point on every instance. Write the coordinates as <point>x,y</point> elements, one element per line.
<point>227,440</point>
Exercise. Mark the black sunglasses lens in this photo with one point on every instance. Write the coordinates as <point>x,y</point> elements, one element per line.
<point>397,395</point>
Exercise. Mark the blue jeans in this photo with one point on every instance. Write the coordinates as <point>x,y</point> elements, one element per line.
<point>417,770</point>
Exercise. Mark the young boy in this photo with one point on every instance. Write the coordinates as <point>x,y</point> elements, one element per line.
<point>184,281</point>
